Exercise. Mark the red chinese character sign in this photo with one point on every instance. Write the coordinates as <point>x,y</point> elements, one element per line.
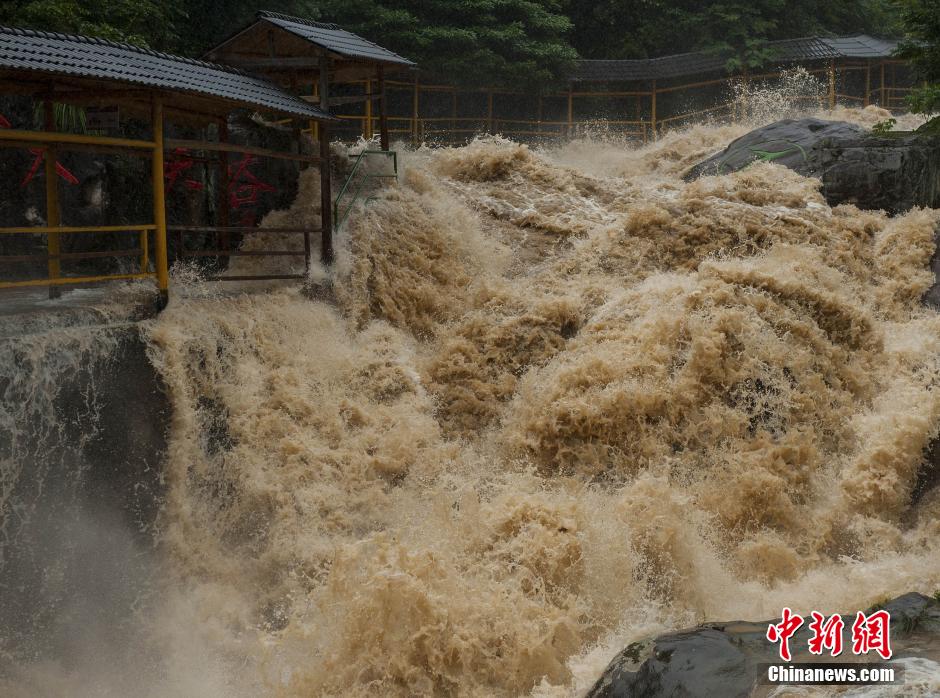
<point>60,169</point>
<point>175,166</point>
<point>244,188</point>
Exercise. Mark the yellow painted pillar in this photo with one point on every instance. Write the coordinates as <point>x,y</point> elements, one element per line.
<point>832,85</point>
<point>884,99</point>
<point>489,110</point>
<point>570,112</point>
<point>415,138</point>
<point>53,215</point>
<point>159,203</point>
<point>653,112</point>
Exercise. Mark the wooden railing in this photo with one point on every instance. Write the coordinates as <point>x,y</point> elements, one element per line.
<point>654,105</point>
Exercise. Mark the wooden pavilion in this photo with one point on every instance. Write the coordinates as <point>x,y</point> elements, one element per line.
<point>296,53</point>
<point>67,69</point>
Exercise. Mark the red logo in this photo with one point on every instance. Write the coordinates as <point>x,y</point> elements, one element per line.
<point>872,633</point>
<point>869,633</point>
<point>826,635</point>
<point>783,631</point>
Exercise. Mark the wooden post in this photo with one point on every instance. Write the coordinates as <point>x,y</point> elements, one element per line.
<point>53,216</point>
<point>453,113</point>
<point>489,110</point>
<point>867,100</point>
<point>882,98</point>
<point>540,114</point>
<point>367,120</point>
<point>159,203</point>
<point>570,111</point>
<point>383,109</point>
<point>414,113</point>
<point>832,84</point>
<point>315,125</point>
<point>326,196</point>
<point>653,112</point>
<point>222,204</point>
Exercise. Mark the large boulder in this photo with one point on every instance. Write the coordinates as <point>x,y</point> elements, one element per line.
<point>723,659</point>
<point>893,172</point>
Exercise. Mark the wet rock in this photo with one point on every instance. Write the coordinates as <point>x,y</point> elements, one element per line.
<point>932,297</point>
<point>722,659</point>
<point>894,172</point>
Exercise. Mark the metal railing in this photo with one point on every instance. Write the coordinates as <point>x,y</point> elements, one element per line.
<point>354,193</point>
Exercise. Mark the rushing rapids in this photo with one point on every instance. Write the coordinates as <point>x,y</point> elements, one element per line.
<point>555,401</point>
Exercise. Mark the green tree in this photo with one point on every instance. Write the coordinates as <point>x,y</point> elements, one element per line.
<point>150,23</point>
<point>737,29</point>
<point>517,43</point>
<point>921,46</point>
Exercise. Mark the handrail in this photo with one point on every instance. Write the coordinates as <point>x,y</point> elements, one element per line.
<point>339,216</point>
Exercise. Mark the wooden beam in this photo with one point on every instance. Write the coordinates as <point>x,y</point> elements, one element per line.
<point>339,101</point>
<point>274,64</point>
<point>173,143</point>
<point>867,84</point>
<point>42,138</point>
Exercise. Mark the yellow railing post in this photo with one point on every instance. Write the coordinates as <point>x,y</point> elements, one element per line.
<point>832,84</point>
<point>489,110</point>
<point>653,112</point>
<point>144,252</point>
<point>414,113</point>
<point>159,203</point>
<point>882,95</point>
<point>53,217</point>
<point>570,111</point>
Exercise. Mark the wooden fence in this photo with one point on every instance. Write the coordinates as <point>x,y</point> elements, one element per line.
<point>445,114</point>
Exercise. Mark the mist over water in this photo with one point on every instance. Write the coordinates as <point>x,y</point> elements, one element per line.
<point>556,401</point>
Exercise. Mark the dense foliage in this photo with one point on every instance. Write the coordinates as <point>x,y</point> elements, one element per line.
<point>514,42</point>
<point>922,21</point>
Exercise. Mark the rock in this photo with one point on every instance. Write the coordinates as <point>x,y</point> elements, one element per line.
<point>894,172</point>
<point>83,428</point>
<point>722,659</point>
<point>932,297</point>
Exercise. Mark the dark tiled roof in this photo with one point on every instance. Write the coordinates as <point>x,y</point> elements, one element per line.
<point>683,64</point>
<point>87,57</point>
<point>862,46</point>
<point>333,38</point>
